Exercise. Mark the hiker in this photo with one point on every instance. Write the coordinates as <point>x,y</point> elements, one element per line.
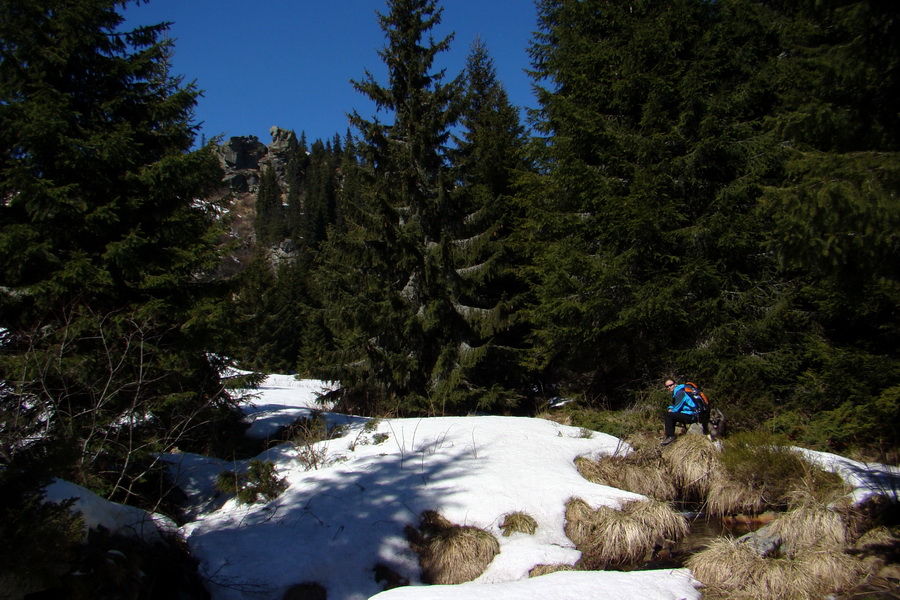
<point>684,410</point>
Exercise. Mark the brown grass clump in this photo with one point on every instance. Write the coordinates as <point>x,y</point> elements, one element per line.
<point>832,569</point>
<point>431,521</point>
<point>810,526</point>
<point>767,465</point>
<point>658,517</point>
<point>874,512</point>
<point>556,417</point>
<point>725,564</point>
<point>694,465</point>
<point>875,549</point>
<point>876,537</point>
<point>729,497</point>
<point>518,522</point>
<point>609,537</point>
<point>640,472</point>
<point>450,554</point>
<point>730,569</point>
<point>539,570</point>
<point>457,555</point>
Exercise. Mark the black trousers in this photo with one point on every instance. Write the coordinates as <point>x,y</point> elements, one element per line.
<point>672,418</point>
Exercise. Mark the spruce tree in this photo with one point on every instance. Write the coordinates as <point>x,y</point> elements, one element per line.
<point>718,201</point>
<point>106,244</point>
<point>321,189</point>
<point>487,284</point>
<point>385,281</point>
<point>835,213</point>
<point>294,177</point>
<point>270,223</point>
<point>644,228</point>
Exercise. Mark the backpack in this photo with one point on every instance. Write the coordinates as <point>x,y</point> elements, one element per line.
<point>701,402</point>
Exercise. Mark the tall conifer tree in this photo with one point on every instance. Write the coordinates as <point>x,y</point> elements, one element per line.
<point>835,213</point>
<point>388,301</point>
<point>270,224</point>
<point>487,159</point>
<point>105,243</point>
<point>719,201</point>
<point>646,214</point>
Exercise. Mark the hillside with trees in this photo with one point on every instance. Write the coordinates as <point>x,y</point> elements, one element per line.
<point>708,192</point>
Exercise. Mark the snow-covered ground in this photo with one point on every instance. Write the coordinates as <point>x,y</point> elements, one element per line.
<point>349,499</point>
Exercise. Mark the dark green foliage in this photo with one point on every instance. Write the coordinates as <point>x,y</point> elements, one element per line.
<point>718,200</point>
<point>419,289</point>
<point>384,283</point>
<point>270,223</point>
<point>39,539</point>
<point>767,464</point>
<point>488,286</point>
<point>259,480</point>
<point>624,424</point>
<point>308,430</point>
<point>644,208</point>
<point>110,567</point>
<point>47,552</point>
<point>275,313</point>
<point>321,185</point>
<point>835,212</point>
<point>108,311</point>
<point>272,313</point>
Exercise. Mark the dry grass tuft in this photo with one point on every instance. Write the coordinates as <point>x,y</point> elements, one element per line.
<point>729,497</point>
<point>810,526</point>
<point>694,464</point>
<point>811,563</point>
<point>457,555</point>
<point>767,465</point>
<point>579,520</point>
<point>725,564</point>
<point>431,521</point>
<point>639,472</point>
<point>875,549</point>
<point>450,554</point>
<point>539,570</point>
<point>832,569</point>
<point>518,522</point>
<point>874,512</point>
<point>876,539</point>
<point>731,569</point>
<point>609,537</point>
<point>657,517</point>
<point>556,417</point>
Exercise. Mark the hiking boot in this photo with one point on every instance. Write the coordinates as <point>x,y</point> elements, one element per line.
<point>667,441</point>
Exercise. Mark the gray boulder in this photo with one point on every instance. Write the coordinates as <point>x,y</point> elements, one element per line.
<point>242,152</point>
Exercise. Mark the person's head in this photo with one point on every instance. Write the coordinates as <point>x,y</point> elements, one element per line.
<point>670,384</point>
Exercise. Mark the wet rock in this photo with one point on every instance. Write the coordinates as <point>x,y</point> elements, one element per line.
<point>764,542</point>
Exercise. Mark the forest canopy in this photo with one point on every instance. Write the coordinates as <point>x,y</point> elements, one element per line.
<point>706,190</point>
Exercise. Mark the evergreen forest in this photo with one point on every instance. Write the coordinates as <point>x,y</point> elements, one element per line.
<point>707,191</point>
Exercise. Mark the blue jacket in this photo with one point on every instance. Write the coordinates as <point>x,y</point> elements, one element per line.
<point>682,402</point>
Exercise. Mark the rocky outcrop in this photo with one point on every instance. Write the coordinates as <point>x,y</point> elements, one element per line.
<point>239,158</point>
<point>284,144</point>
<point>243,159</point>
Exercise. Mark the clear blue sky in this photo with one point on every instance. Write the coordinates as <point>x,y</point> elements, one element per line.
<point>289,62</point>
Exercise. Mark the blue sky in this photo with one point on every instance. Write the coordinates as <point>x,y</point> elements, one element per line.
<point>289,62</point>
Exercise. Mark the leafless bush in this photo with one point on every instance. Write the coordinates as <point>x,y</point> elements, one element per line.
<point>107,393</point>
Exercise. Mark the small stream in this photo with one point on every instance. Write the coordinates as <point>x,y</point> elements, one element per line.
<point>704,529</point>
